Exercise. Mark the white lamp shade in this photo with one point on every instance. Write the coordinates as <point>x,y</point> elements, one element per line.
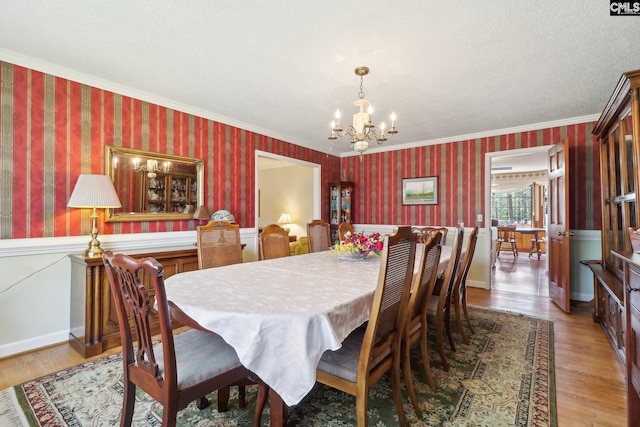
<point>94,191</point>
<point>285,218</point>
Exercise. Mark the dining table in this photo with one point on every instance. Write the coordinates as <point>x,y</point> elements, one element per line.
<point>535,231</point>
<point>281,315</point>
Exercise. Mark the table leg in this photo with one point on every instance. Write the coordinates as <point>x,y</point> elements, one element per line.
<point>535,235</point>
<point>277,408</point>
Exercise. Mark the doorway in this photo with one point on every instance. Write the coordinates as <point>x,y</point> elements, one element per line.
<point>286,185</point>
<point>512,170</point>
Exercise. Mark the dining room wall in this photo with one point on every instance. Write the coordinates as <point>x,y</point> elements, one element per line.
<point>460,168</point>
<point>53,129</point>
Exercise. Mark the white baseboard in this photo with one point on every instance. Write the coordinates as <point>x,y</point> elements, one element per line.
<point>30,344</point>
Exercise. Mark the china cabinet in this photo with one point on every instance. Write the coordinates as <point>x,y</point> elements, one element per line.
<point>341,197</point>
<point>167,193</point>
<point>618,133</point>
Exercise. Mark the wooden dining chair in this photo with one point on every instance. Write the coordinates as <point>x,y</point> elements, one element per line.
<point>274,242</point>
<point>426,232</point>
<point>177,370</point>
<point>423,282</point>
<point>507,236</point>
<point>218,244</point>
<point>438,308</point>
<point>459,295</point>
<point>343,229</point>
<point>319,235</point>
<point>368,353</point>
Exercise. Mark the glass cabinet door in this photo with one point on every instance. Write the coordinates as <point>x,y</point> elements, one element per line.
<point>341,197</point>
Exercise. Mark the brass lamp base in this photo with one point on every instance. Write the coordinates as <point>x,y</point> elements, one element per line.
<point>94,250</point>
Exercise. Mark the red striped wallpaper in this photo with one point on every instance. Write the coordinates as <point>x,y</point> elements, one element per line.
<point>53,129</point>
<point>460,169</point>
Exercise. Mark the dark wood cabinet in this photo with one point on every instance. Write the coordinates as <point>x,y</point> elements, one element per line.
<point>94,322</point>
<point>618,132</point>
<point>630,262</point>
<point>341,198</point>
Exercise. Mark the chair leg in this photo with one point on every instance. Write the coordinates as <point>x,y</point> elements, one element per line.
<point>458,311</point>
<point>261,401</point>
<point>242,396</point>
<point>408,377</point>
<point>447,326</point>
<point>169,414</point>
<point>425,357</point>
<point>397,391</point>
<point>362,406</point>
<point>202,403</point>
<point>223,399</point>
<point>466,311</point>
<point>128,403</point>
<point>440,341</point>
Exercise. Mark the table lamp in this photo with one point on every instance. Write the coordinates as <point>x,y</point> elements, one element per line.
<point>202,213</point>
<point>285,219</point>
<point>94,191</point>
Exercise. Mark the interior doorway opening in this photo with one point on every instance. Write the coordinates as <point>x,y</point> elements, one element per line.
<point>516,198</point>
<point>286,185</point>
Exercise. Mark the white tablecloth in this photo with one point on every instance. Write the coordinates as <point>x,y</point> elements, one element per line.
<point>281,315</point>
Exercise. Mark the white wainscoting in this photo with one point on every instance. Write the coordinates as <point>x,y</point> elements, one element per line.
<point>35,287</point>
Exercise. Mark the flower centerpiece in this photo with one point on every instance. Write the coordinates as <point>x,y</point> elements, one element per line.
<point>359,245</point>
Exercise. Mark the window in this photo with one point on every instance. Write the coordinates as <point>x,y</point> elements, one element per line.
<point>511,208</point>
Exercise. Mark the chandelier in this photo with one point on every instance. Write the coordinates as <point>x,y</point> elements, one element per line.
<point>151,167</point>
<point>362,129</point>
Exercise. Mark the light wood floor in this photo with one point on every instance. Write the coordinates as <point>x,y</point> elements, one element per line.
<point>522,274</point>
<point>590,387</point>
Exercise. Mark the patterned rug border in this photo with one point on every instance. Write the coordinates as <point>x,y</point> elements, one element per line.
<point>510,311</point>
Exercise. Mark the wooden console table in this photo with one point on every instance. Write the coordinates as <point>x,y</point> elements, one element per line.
<point>94,322</point>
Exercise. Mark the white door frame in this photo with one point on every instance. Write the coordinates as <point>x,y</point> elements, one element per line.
<point>317,206</point>
<point>488,157</point>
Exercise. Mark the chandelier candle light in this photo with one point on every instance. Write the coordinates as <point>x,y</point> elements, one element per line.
<point>151,166</point>
<point>362,129</point>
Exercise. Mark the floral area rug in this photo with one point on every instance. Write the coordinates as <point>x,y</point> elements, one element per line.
<point>504,377</point>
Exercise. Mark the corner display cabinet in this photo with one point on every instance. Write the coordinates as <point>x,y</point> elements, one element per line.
<point>618,132</point>
<point>341,196</point>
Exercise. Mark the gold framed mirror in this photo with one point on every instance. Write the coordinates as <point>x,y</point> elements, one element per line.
<point>154,186</point>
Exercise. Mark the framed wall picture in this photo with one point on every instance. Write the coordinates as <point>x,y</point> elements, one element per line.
<point>420,191</point>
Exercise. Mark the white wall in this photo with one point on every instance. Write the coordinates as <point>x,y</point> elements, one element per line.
<point>287,189</point>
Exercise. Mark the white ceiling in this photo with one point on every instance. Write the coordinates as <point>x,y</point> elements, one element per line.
<point>282,67</point>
